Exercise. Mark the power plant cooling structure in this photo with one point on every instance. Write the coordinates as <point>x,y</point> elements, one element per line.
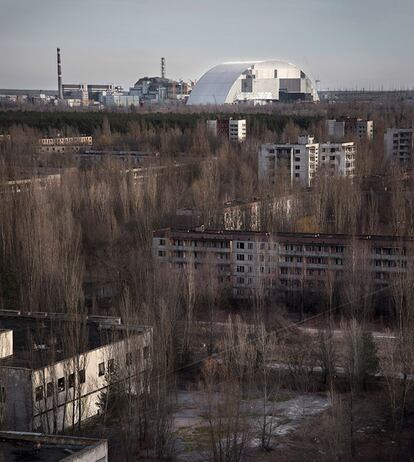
<point>59,72</point>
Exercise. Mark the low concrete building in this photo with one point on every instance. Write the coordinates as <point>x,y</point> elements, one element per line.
<point>59,366</point>
<point>19,446</point>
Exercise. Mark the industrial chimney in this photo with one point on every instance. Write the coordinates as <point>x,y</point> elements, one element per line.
<point>163,68</point>
<point>59,72</point>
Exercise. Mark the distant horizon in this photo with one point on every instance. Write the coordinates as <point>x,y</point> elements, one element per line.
<point>344,45</point>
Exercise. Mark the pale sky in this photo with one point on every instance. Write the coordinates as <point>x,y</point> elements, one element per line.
<point>343,43</point>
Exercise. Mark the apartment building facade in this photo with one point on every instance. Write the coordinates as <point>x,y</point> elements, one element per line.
<point>249,262</point>
<point>237,130</point>
<point>337,159</point>
<point>300,162</point>
<point>44,386</point>
<point>399,144</point>
<point>233,129</point>
<point>64,144</point>
<point>350,126</point>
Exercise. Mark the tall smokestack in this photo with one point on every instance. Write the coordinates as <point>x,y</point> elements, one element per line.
<point>163,68</point>
<point>59,72</point>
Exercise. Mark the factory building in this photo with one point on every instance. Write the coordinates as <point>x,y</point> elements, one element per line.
<point>399,144</point>
<point>49,381</point>
<point>159,89</point>
<point>85,94</point>
<point>256,82</point>
<point>120,100</point>
<point>249,262</point>
<point>301,162</point>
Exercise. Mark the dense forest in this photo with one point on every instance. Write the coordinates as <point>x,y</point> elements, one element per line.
<point>84,245</point>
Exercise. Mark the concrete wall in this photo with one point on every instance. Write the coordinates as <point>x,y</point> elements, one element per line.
<point>92,450</point>
<point>17,408</point>
<point>6,343</point>
<point>97,452</point>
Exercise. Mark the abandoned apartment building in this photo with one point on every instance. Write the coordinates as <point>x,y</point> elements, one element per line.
<point>53,368</point>
<point>246,261</point>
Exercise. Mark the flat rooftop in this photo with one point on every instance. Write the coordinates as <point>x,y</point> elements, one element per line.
<point>38,338</point>
<point>248,235</point>
<point>22,446</point>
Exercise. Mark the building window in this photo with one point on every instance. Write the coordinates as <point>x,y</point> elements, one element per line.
<point>297,175</point>
<point>250,245</point>
<point>71,380</point>
<point>39,393</point>
<point>2,395</point>
<point>162,253</point>
<point>111,366</point>
<point>240,269</point>
<point>82,376</point>
<point>240,257</point>
<point>162,241</point>
<point>49,389</point>
<point>101,369</point>
<point>61,384</point>
<point>240,245</point>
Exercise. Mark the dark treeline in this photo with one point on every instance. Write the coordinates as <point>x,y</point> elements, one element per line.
<point>87,122</point>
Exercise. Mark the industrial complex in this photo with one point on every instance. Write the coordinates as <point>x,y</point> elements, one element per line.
<point>257,82</point>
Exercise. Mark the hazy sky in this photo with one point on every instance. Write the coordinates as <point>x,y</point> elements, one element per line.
<point>344,43</point>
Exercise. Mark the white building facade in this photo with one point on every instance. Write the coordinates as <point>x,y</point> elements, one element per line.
<point>337,159</point>
<point>300,162</point>
<point>237,130</point>
<point>47,391</point>
<point>254,82</point>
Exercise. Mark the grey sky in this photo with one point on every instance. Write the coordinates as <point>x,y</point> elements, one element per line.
<point>344,43</point>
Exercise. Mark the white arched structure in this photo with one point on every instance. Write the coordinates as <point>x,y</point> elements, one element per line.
<point>253,81</point>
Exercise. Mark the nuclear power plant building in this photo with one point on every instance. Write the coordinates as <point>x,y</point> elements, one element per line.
<point>257,82</point>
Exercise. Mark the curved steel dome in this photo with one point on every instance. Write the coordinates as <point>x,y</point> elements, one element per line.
<point>259,82</point>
